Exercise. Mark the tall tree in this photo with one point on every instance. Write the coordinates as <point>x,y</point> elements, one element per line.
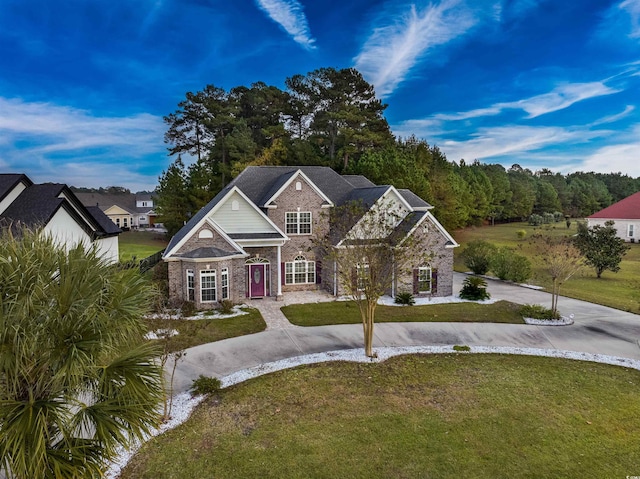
<point>601,247</point>
<point>172,201</point>
<point>77,378</point>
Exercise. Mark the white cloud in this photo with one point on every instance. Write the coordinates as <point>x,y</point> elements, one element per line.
<point>64,144</point>
<point>395,48</point>
<point>632,8</point>
<point>506,140</point>
<point>623,155</point>
<point>290,16</point>
<point>613,118</point>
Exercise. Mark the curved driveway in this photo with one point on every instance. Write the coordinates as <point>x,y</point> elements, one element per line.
<point>597,329</point>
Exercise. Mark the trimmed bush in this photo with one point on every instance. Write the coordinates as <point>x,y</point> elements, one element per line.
<point>188,309</point>
<point>477,256</point>
<point>558,216</point>
<point>205,385</point>
<point>548,218</point>
<point>535,220</point>
<point>521,234</point>
<point>226,306</point>
<point>509,265</point>
<point>537,311</point>
<point>405,299</point>
<point>474,289</point>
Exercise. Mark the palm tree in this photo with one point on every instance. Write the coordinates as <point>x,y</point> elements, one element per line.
<point>77,379</point>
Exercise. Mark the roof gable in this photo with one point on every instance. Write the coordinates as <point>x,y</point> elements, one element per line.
<point>235,213</point>
<point>285,180</point>
<point>626,209</point>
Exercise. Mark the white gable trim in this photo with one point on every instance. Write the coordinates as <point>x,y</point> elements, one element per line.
<point>298,173</point>
<point>397,193</point>
<point>211,212</point>
<point>444,232</point>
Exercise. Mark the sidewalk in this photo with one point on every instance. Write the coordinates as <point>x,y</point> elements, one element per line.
<point>597,329</point>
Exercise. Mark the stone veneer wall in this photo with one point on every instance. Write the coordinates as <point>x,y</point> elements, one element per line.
<point>291,200</point>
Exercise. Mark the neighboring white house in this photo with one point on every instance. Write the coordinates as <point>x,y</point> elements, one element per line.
<point>55,209</point>
<point>626,217</point>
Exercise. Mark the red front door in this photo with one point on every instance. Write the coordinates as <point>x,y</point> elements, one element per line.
<point>256,281</point>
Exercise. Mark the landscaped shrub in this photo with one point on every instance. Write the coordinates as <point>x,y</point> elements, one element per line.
<point>558,216</point>
<point>535,220</point>
<point>537,311</point>
<point>474,289</point>
<point>477,256</point>
<point>405,299</point>
<point>521,234</point>
<point>226,306</point>
<point>205,385</point>
<point>188,309</point>
<point>548,218</point>
<point>461,349</point>
<point>511,266</point>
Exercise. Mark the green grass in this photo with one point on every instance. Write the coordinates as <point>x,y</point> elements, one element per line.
<point>140,244</point>
<point>202,331</point>
<point>347,312</point>
<point>618,290</point>
<point>428,416</point>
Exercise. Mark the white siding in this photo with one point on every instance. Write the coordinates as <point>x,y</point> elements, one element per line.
<point>65,231</point>
<point>243,220</point>
<point>108,249</point>
<point>13,194</point>
<point>621,226</point>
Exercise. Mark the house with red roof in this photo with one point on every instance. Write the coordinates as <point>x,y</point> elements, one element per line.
<point>626,217</point>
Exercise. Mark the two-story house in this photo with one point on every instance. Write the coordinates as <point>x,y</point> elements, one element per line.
<point>126,210</point>
<point>254,239</point>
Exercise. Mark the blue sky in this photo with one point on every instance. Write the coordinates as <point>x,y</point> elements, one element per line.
<point>84,84</point>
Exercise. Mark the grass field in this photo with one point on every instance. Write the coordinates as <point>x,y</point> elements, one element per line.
<point>346,312</point>
<point>140,244</point>
<point>619,290</point>
<point>201,331</point>
<point>428,416</point>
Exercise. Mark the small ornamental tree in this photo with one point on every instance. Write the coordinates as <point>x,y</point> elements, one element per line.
<point>559,259</point>
<point>601,247</point>
<point>77,378</point>
<point>369,249</point>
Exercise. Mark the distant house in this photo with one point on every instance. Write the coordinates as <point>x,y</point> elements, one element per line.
<point>126,210</point>
<point>253,239</point>
<point>626,217</point>
<point>55,209</point>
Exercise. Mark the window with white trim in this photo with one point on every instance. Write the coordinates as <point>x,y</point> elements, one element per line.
<point>208,285</point>
<point>118,222</point>
<point>424,279</point>
<point>362,275</point>
<point>191,285</point>
<point>631,231</point>
<point>300,271</point>
<point>224,283</point>
<point>298,222</point>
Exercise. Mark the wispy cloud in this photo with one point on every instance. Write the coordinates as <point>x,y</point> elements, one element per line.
<point>617,156</point>
<point>397,45</point>
<point>632,8</point>
<point>290,16</point>
<point>559,98</point>
<point>76,147</point>
<point>613,118</point>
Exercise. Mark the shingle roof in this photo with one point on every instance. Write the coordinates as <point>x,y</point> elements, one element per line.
<point>359,181</point>
<point>9,180</point>
<point>368,196</point>
<point>207,252</point>
<point>626,209</point>
<point>36,205</point>
<point>108,226</point>
<point>105,201</point>
<point>414,200</point>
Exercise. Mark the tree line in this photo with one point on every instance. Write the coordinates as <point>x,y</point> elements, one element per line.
<point>331,117</point>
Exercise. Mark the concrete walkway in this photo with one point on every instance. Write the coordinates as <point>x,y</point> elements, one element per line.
<point>597,329</point>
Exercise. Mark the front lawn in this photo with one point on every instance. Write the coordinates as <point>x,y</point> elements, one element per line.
<point>202,331</point>
<point>347,312</point>
<point>618,290</point>
<point>430,416</point>
<point>140,244</point>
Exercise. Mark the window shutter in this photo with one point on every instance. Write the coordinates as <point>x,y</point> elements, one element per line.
<point>416,286</point>
<point>318,272</point>
<point>282,274</point>
<point>434,281</point>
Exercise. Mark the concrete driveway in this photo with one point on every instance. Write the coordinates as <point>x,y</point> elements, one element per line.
<point>597,329</point>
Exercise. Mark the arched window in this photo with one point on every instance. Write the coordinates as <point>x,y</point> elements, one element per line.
<point>205,233</point>
<point>300,271</point>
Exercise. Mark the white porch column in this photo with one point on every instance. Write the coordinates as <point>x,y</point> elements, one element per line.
<point>279,256</point>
